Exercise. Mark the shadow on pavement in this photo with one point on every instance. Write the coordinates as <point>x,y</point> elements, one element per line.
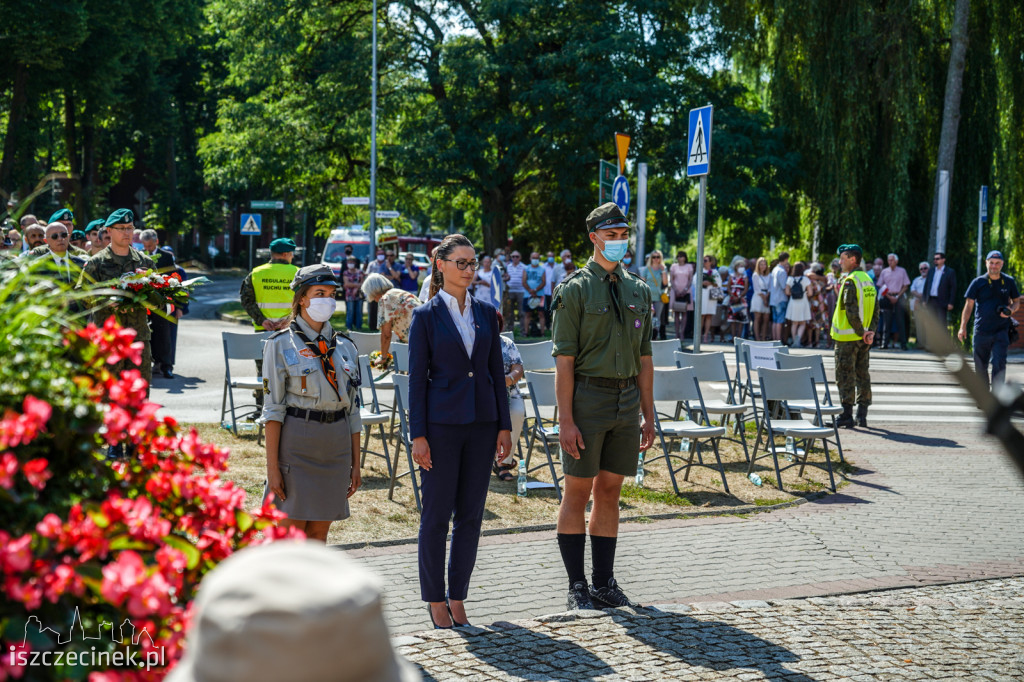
<point>708,644</point>
<point>546,658</point>
<point>178,385</point>
<point>912,439</point>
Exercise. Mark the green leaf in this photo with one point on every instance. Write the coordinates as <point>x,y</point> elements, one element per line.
<point>192,553</point>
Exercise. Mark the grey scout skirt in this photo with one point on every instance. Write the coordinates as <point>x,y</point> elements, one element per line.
<point>316,465</point>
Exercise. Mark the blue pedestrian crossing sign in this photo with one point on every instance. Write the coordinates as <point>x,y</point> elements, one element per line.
<point>698,142</point>
<point>620,194</point>
<point>251,224</point>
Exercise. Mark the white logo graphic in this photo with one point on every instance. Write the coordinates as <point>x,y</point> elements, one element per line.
<point>698,148</point>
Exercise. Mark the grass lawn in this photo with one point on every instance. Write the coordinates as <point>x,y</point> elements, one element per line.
<point>376,518</point>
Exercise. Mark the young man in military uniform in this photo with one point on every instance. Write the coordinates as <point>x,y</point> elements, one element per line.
<point>856,303</point>
<point>266,294</point>
<point>604,378</point>
<point>117,259</point>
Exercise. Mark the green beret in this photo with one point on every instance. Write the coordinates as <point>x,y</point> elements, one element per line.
<point>94,225</point>
<point>121,216</point>
<point>606,216</point>
<point>62,214</point>
<point>77,234</point>
<point>314,274</point>
<point>282,245</point>
<point>852,248</point>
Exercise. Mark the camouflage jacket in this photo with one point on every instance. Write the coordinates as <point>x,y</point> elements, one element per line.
<point>105,266</point>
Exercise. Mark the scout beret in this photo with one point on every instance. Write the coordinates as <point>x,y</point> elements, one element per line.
<point>282,245</point>
<point>852,248</point>
<point>121,216</point>
<point>77,234</point>
<point>606,216</point>
<point>995,254</point>
<point>314,274</point>
<point>62,214</point>
<point>94,225</point>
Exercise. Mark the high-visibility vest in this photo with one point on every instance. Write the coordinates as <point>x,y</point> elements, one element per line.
<point>272,283</point>
<point>866,298</point>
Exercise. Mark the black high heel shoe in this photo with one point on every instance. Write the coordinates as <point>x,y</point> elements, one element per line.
<point>455,623</point>
<point>430,612</point>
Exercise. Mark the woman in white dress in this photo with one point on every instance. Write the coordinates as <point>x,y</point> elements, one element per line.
<point>710,279</point>
<point>798,312</point>
<point>761,281</point>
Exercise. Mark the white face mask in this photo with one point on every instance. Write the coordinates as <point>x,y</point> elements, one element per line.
<point>321,309</point>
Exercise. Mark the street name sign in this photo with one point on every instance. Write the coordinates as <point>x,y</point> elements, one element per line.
<point>355,201</point>
<point>266,204</point>
<point>251,223</point>
<point>385,215</point>
<point>698,140</point>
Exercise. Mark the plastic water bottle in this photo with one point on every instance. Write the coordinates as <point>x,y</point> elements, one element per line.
<point>755,479</point>
<point>684,445</point>
<point>790,448</point>
<point>521,481</point>
<point>640,470</point>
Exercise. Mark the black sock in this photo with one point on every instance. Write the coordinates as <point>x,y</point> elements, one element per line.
<point>573,546</point>
<point>602,552</point>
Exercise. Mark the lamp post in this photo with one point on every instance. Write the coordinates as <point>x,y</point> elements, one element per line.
<point>373,141</point>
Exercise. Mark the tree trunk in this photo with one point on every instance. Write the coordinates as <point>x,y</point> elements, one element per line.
<point>71,147</point>
<point>89,166</point>
<point>497,209</point>
<point>950,110</point>
<point>19,111</point>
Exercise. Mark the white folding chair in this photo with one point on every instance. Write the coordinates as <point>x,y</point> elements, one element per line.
<point>401,403</point>
<point>783,385</point>
<point>365,342</point>
<point>372,416</point>
<point>827,408</point>
<point>711,367</point>
<point>663,352</point>
<point>681,385</point>
<point>536,356</point>
<point>542,392</point>
<point>738,344</point>
<point>400,357</point>
<point>750,362</point>
<point>241,347</point>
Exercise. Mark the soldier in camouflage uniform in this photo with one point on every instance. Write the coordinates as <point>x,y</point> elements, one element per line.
<point>117,259</point>
<point>857,300</point>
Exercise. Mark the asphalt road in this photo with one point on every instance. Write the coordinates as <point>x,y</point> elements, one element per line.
<point>902,380</point>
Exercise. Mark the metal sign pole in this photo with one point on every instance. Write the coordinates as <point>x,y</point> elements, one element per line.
<point>252,253</point>
<point>641,211</point>
<point>373,143</point>
<point>698,297</point>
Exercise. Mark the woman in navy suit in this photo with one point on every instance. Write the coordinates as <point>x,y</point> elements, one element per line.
<point>458,420</point>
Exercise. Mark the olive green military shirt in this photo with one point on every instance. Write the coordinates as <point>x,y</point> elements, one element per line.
<point>72,251</point>
<point>107,265</point>
<point>585,324</point>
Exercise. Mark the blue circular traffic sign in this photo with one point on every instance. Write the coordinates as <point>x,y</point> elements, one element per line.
<point>620,194</point>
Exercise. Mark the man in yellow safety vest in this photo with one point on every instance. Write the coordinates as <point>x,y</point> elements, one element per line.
<point>856,303</point>
<point>266,293</point>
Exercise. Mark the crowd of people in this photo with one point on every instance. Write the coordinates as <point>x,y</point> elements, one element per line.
<point>72,255</point>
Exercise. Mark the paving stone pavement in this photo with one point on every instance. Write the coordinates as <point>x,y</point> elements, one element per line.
<point>963,631</point>
<point>933,504</point>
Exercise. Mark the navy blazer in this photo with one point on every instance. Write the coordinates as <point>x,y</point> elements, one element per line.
<point>446,385</point>
<point>947,288</point>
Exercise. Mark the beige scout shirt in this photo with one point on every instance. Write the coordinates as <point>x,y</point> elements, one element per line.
<point>287,360</point>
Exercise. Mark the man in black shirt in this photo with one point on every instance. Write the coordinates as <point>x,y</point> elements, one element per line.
<point>995,297</point>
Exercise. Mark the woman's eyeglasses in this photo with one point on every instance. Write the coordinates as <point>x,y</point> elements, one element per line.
<point>463,264</point>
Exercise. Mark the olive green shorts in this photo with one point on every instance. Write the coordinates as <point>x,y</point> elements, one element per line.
<point>609,419</point>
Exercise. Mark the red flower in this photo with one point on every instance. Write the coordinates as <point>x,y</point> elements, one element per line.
<point>19,429</point>
<point>8,467</point>
<point>50,527</point>
<point>16,555</point>
<point>36,472</point>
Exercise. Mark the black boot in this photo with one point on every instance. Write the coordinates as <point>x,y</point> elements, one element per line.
<point>845,420</point>
<point>862,415</point>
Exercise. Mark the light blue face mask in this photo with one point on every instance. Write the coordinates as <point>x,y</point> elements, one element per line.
<point>614,250</point>
<point>534,262</point>
<point>627,261</point>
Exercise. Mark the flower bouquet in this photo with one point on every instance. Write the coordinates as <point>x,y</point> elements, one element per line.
<point>154,290</point>
<point>378,361</point>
